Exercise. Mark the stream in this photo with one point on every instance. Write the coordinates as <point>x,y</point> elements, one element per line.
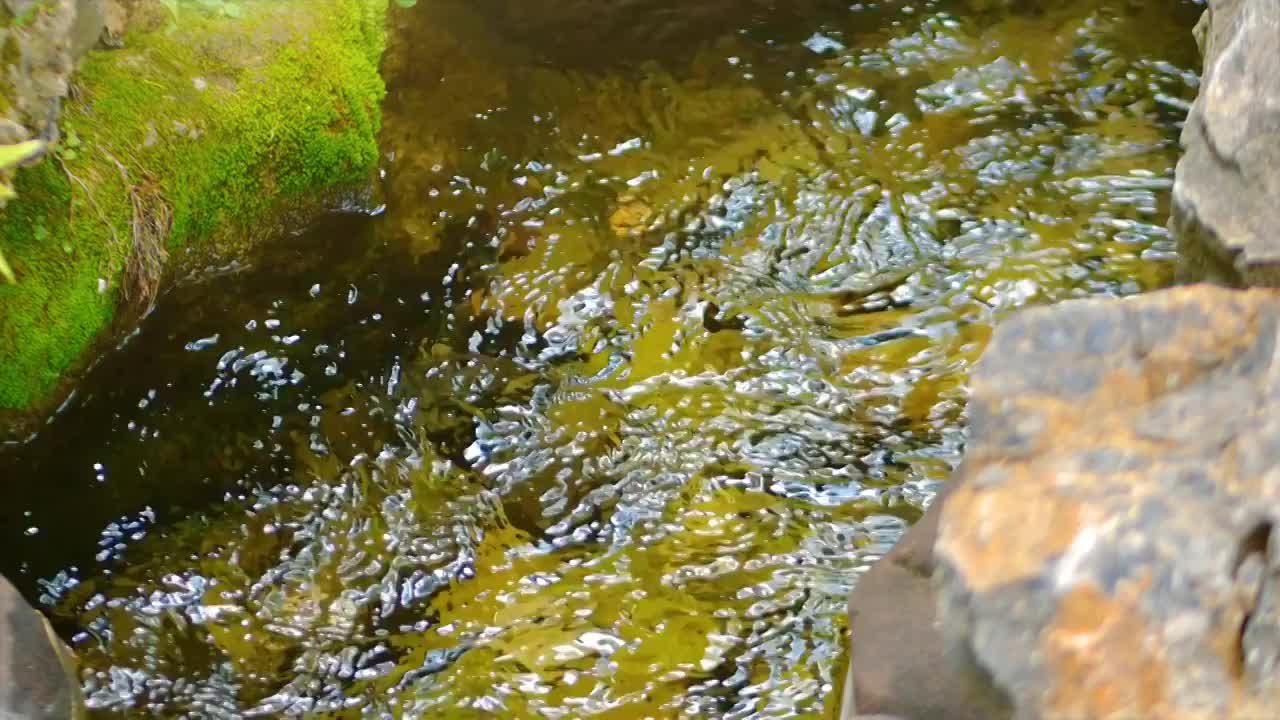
<point>658,342</point>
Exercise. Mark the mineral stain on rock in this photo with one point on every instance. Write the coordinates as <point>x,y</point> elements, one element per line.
<point>1116,566</point>
<point>1093,635</point>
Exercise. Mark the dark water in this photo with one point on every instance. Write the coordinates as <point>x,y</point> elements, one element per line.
<point>659,342</point>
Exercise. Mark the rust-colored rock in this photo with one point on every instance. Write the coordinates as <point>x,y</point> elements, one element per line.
<point>1107,550</point>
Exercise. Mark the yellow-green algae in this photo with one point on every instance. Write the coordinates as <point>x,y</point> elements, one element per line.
<point>231,121</point>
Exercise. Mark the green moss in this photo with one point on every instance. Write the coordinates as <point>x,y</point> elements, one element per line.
<point>233,122</point>
<point>56,310</point>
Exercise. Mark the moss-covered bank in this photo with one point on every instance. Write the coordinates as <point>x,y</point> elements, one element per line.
<point>196,139</point>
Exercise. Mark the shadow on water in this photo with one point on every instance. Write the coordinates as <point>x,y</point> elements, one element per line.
<point>154,427</point>
<point>659,343</point>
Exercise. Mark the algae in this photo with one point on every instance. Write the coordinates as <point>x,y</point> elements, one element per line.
<point>587,446</point>
<point>220,126</point>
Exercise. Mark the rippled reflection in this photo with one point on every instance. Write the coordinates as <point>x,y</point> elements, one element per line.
<point>660,342</point>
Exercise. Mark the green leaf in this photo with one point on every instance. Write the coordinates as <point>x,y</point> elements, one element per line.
<point>11,155</point>
<point>6,272</point>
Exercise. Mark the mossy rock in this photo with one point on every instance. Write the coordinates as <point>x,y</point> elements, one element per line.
<point>205,133</point>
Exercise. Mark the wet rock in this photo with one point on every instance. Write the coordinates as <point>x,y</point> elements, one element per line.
<point>115,17</point>
<point>1108,549</point>
<point>37,674</point>
<point>1227,181</point>
<point>90,21</point>
<point>35,78</point>
<point>900,664</point>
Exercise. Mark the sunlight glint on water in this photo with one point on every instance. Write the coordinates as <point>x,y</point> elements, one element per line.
<point>659,343</point>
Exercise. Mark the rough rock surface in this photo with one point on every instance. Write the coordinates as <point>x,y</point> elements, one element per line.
<point>900,663</point>
<point>42,42</point>
<point>1108,549</point>
<point>1225,211</point>
<point>37,679</point>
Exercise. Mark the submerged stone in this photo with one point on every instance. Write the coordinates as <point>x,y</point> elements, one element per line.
<point>902,664</point>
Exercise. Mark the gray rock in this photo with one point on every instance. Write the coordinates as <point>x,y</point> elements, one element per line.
<point>86,30</point>
<point>43,39</point>
<point>1225,210</point>
<point>35,78</point>
<point>900,661</point>
<point>37,674</point>
<point>1108,549</point>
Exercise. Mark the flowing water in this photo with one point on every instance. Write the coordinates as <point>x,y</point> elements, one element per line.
<point>658,343</point>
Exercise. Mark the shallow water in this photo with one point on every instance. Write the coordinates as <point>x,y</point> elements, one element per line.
<point>659,342</point>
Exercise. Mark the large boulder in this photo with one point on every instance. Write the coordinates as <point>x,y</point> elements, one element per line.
<point>1108,549</point>
<point>1227,181</point>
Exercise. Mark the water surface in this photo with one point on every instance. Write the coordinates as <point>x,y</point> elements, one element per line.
<point>658,344</point>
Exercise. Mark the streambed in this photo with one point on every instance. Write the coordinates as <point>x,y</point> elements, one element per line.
<point>658,343</point>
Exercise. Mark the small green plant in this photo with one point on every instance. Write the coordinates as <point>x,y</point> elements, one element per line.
<point>26,17</point>
<point>12,156</point>
<point>69,148</point>
<point>229,8</point>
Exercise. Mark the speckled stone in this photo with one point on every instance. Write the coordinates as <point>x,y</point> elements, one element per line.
<point>1107,550</point>
<point>1225,213</point>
